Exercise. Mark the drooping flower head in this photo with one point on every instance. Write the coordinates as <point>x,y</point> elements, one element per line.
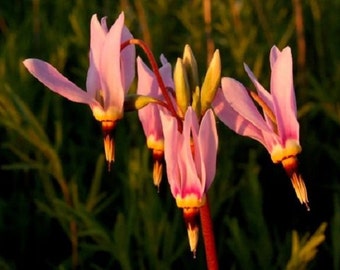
<point>149,115</point>
<point>110,74</point>
<point>277,129</point>
<point>190,158</point>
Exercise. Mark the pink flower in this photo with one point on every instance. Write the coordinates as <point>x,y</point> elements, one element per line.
<point>110,74</point>
<point>149,115</point>
<point>190,158</point>
<point>277,129</point>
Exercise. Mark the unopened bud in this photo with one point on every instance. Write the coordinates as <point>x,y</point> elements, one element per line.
<point>182,87</point>
<point>190,65</point>
<point>211,82</point>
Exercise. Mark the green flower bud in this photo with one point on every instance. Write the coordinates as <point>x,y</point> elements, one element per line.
<point>182,87</point>
<point>211,82</point>
<point>190,65</point>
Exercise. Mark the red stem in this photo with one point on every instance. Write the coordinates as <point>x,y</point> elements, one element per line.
<point>208,237</point>
<point>159,79</point>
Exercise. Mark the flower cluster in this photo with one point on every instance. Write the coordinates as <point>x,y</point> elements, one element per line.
<point>178,113</point>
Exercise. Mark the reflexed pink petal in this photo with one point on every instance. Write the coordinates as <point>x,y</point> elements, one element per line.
<point>93,78</point>
<point>197,156</point>
<point>97,37</point>
<point>111,82</point>
<point>146,84</point>
<point>262,92</point>
<point>274,54</point>
<point>239,99</point>
<point>239,124</point>
<point>56,82</point>
<point>284,96</point>
<point>166,73</point>
<point>149,115</point>
<point>208,142</point>
<point>104,24</point>
<point>190,180</point>
<point>127,61</point>
<point>163,59</point>
<point>191,122</point>
<point>190,183</point>
<point>169,124</point>
<point>151,121</point>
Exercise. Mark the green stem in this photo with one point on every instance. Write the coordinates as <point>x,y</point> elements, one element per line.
<point>208,237</point>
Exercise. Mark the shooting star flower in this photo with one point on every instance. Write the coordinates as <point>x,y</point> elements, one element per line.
<point>150,114</point>
<point>110,74</point>
<point>190,158</point>
<point>277,129</point>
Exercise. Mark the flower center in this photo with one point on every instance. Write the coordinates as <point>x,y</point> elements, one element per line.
<point>291,149</point>
<point>190,201</point>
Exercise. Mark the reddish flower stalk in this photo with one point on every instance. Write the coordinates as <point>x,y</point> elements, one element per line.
<point>208,237</point>
<point>155,70</point>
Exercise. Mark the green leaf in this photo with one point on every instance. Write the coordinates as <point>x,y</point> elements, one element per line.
<point>305,249</point>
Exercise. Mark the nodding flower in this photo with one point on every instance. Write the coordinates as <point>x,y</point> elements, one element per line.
<point>190,158</point>
<point>150,114</point>
<point>276,128</point>
<point>110,74</point>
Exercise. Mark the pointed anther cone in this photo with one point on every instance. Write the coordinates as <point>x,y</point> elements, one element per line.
<point>158,158</point>
<point>191,218</point>
<point>109,143</point>
<point>290,165</point>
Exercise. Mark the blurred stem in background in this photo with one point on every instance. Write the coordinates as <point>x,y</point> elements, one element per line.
<point>301,42</point>
<point>208,30</point>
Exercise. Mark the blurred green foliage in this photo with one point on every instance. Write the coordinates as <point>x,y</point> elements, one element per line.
<point>53,173</point>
